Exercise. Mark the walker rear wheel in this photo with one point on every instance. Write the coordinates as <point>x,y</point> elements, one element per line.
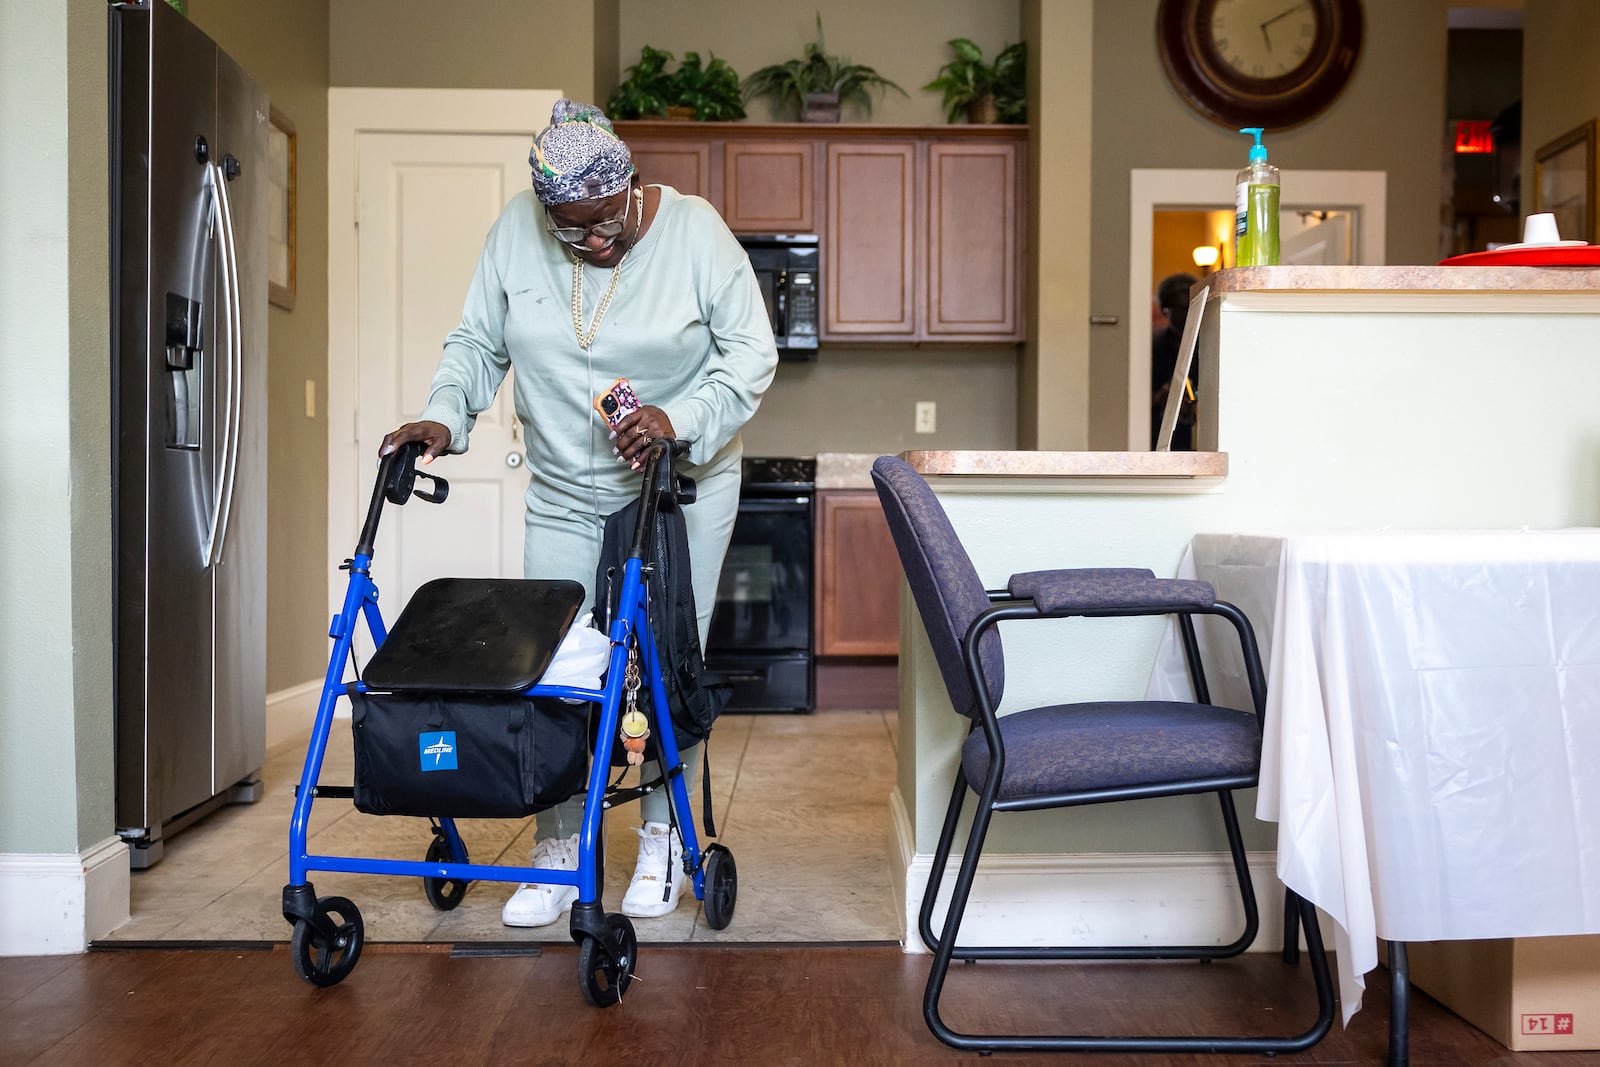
<point>443,893</point>
<point>320,960</point>
<point>721,887</point>
<point>604,971</point>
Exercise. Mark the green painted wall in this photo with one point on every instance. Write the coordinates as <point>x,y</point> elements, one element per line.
<point>55,522</point>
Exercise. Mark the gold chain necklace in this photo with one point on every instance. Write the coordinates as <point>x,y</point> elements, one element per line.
<point>586,337</point>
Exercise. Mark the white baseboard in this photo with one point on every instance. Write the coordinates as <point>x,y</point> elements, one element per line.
<point>1089,899</point>
<point>290,711</point>
<point>56,903</point>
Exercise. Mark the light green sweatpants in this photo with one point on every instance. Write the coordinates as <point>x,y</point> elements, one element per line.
<point>562,543</point>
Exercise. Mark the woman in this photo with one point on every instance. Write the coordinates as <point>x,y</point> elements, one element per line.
<point>588,277</point>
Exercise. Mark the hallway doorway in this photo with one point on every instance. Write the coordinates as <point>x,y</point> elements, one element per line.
<point>1359,194</point>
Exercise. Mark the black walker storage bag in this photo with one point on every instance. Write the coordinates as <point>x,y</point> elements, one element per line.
<point>447,731</point>
<point>466,756</point>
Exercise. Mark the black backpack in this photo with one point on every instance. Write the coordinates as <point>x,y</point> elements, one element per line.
<point>694,697</point>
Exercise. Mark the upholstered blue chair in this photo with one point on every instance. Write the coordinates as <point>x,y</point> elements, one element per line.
<point>1065,755</point>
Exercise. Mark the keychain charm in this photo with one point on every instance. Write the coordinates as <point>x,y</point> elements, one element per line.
<point>635,725</point>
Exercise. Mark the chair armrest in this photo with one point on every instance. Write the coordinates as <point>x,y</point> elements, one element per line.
<point>1109,588</point>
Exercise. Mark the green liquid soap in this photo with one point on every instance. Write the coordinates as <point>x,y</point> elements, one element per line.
<point>1256,228</point>
<point>1255,206</point>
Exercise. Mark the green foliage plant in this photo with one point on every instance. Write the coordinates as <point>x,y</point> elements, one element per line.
<point>713,90</point>
<point>649,90</point>
<point>789,83</point>
<point>967,79</point>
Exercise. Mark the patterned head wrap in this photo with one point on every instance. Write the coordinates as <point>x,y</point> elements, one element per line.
<point>578,156</point>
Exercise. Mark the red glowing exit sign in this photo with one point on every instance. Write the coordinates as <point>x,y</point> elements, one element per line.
<point>1473,138</point>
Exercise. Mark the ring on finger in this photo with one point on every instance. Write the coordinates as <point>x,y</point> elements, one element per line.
<point>639,430</point>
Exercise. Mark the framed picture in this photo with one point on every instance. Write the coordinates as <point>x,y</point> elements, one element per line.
<point>281,220</point>
<point>1563,182</point>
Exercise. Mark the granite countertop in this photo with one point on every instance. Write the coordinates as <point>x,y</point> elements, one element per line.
<point>853,470</point>
<point>1194,465</point>
<point>1403,278</point>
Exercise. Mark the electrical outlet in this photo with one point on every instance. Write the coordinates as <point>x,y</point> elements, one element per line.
<point>927,416</point>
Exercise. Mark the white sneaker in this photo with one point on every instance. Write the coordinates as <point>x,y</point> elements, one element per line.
<point>651,893</point>
<point>536,904</point>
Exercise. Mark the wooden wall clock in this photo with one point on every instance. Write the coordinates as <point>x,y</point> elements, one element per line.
<point>1271,63</point>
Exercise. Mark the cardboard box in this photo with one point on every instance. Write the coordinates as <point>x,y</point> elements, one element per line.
<point>1528,993</point>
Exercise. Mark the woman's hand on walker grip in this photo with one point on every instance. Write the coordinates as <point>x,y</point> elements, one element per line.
<point>434,435</point>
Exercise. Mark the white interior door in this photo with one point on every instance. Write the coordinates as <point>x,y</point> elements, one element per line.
<point>426,202</point>
<point>423,200</point>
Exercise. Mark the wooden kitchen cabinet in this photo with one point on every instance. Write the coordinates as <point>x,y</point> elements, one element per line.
<point>869,246</point>
<point>973,277</point>
<point>769,186</point>
<point>924,228</point>
<point>924,241</point>
<point>759,185</point>
<point>683,164</point>
<point>858,576</point>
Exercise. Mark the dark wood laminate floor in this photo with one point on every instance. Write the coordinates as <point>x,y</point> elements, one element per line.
<point>770,1006</point>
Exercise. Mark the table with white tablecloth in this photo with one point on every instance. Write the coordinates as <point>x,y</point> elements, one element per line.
<point>1432,740</point>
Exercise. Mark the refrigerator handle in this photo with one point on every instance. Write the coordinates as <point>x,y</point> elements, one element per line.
<point>230,267</point>
<point>223,218</point>
<point>208,552</point>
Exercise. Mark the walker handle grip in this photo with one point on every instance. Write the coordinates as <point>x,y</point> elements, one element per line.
<point>396,481</point>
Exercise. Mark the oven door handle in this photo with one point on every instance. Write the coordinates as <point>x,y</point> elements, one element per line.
<point>750,505</point>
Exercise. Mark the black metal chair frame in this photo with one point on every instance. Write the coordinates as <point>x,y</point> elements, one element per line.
<point>1298,913</point>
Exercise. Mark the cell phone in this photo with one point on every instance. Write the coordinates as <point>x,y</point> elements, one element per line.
<point>616,402</point>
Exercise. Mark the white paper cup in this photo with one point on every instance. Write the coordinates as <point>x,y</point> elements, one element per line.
<point>1540,229</point>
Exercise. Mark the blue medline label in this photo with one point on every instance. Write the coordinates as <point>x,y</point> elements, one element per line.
<point>438,750</point>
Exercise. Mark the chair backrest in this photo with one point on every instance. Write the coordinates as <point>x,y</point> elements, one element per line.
<point>944,583</point>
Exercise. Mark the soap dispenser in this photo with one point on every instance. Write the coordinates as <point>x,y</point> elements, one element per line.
<point>1255,205</point>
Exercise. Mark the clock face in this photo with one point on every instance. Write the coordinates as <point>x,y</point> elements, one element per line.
<point>1271,63</point>
<point>1263,39</point>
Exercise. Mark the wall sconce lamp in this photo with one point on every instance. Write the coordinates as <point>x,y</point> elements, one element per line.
<point>1205,257</point>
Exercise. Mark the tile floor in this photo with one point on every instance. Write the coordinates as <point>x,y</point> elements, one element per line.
<point>801,801</point>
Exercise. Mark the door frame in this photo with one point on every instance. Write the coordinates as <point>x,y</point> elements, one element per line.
<point>1363,191</point>
<point>353,112</point>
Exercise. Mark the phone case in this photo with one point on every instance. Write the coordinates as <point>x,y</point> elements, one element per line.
<point>616,402</point>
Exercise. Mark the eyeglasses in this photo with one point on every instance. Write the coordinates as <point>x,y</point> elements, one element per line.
<point>577,235</point>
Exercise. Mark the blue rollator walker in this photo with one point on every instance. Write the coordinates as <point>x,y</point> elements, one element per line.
<point>464,659</point>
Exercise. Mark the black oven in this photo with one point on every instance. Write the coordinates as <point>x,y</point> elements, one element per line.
<point>760,639</point>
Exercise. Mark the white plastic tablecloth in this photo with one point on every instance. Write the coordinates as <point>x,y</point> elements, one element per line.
<point>1432,741</point>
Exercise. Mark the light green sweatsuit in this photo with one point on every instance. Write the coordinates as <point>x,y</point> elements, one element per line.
<point>687,326</point>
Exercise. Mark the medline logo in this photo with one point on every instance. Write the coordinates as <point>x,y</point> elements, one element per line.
<point>438,751</point>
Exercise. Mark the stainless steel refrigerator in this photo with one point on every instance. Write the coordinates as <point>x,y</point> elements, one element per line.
<point>189,358</point>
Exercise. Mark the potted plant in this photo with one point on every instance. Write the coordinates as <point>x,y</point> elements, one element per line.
<point>711,91</point>
<point>986,92</point>
<point>705,91</point>
<point>818,84</point>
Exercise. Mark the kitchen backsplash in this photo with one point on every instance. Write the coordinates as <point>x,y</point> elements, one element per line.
<point>864,400</point>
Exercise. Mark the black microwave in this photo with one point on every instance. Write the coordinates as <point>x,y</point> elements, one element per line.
<point>789,268</point>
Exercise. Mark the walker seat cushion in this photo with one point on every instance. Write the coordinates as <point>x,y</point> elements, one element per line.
<point>474,635</point>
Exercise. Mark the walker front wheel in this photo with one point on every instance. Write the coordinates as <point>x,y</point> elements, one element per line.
<point>321,960</point>
<point>443,893</point>
<point>605,970</point>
